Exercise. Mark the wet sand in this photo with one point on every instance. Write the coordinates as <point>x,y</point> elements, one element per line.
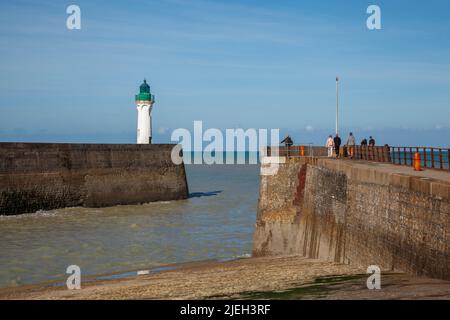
<point>251,278</point>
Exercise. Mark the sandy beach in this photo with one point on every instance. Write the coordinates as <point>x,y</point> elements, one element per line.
<point>289,277</point>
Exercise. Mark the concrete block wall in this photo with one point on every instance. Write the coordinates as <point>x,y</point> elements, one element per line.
<point>43,176</point>
<point>348,213</point>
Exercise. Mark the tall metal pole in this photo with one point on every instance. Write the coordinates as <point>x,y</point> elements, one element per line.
<point>337,105</point>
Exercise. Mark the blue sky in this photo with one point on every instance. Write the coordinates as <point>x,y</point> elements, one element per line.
<point>249,64</point>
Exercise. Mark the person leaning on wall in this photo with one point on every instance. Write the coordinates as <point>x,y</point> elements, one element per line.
<point>363,149</point>
<point>371,148</point>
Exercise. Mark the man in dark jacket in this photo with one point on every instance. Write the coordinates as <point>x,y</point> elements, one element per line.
<point>337,144</point>
<point>363,150</point>
<point>287,141</point>
<point>371,142</point>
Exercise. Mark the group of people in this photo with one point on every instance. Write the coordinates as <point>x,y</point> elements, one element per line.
<point>334,144</point>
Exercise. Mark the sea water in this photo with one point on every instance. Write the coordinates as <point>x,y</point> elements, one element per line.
<point>216,222</point>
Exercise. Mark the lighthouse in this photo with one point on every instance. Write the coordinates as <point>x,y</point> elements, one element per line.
<point>144,102</point>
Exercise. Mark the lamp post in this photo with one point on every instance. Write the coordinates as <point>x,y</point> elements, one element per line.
<point>337,105</point>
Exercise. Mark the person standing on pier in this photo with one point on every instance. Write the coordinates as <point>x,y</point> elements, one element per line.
<point>337,144</point>
<point>371,141</point>
<point>288,143</point>
<point>330,145</point>
<point>351,145</point>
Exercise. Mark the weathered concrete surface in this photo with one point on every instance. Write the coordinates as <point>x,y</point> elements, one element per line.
<point>42,176</point>
<point>356,213</point>
<point>290,277</point>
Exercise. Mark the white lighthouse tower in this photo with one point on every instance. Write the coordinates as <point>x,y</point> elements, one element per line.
<point>144,102</point>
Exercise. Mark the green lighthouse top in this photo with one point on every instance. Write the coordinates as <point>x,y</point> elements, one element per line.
<point>144,93</point>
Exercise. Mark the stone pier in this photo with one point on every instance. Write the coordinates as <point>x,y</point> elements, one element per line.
<point>357,212</point>
<point>43,176</point>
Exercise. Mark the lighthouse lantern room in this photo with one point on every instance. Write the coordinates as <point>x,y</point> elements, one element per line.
<point>144,102</point>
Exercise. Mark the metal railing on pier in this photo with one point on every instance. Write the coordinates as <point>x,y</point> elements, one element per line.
<point>304,150</point>
<point>370,153</point>
<point>433,158</point>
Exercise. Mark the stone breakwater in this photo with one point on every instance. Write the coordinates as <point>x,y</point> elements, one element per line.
<point>356,213</point>
<point>44,176</point>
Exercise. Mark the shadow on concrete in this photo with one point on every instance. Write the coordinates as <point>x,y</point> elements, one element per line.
<point>204,194</point>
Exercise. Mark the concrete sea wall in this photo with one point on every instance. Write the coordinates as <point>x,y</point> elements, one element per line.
<point>355,213</point>
<point>43,176</point>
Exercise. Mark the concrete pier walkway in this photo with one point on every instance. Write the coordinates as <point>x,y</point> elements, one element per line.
<point>442,175</point>
<point>428,181</point>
